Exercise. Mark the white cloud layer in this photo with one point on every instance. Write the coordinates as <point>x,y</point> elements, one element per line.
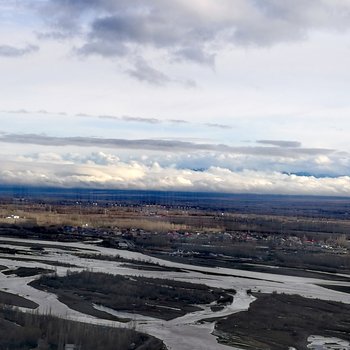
<point>107,170</point>
<point>136,175</point>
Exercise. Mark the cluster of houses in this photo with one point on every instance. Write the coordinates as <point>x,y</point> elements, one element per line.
<point>13,217</point>
<point>123,238</point>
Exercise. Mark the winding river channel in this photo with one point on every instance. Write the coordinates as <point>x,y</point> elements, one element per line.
<point>183,333</point>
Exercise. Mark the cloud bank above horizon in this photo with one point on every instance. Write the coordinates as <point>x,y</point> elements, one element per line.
<point>230,95</point>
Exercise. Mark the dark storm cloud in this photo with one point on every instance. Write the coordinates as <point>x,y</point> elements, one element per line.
<point>105,49</point>
<point>186,29</point>
<point>142,71</point>
<point>132,119</point>
<point>159,145</point>
<point>178,121</point>
<point>123,118</point>
<point>280,143</point>
<point>12,51</point>
<point>195,54</point>
<point>142,120</point>
<point>219,126</point>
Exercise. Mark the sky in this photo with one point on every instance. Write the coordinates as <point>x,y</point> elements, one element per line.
<point>240,96</point>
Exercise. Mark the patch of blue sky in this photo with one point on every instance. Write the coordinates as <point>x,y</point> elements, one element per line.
<point>15,14</point>
<point>50,125</point>
<point>114,128</point>
<point>243,132</point>
<point>72,126</point>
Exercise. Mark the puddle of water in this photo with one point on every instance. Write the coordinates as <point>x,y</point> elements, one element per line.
<point>318,342</point>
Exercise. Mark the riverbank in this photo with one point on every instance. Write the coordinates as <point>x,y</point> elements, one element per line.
<point>280,321</point>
